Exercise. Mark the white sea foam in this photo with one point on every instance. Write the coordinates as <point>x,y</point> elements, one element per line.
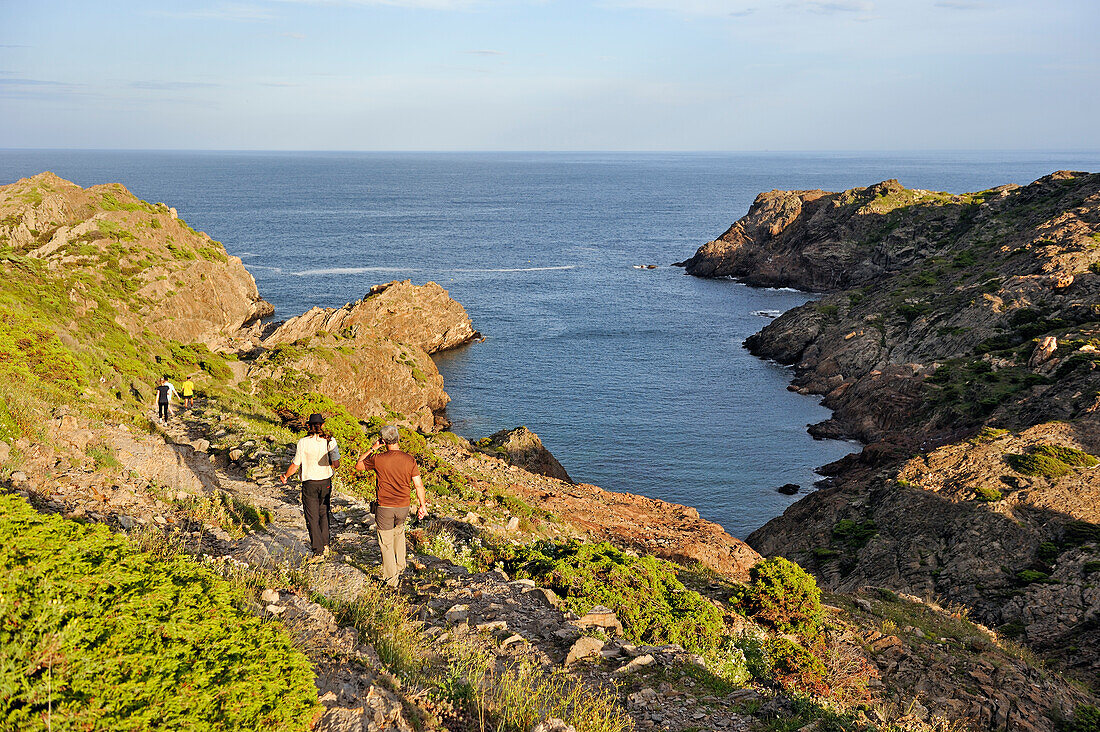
<point>350,270</point>
<point>518,269</point>
<point>264,267</point>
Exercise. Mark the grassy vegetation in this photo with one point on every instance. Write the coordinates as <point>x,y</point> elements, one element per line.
<point>966,391</point>
<point>97,635</point>
<point>1050,461</point>
<point>652,604</point>
<point>987,494</point>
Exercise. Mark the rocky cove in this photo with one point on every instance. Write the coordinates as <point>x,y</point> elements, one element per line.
<point>129,291</point>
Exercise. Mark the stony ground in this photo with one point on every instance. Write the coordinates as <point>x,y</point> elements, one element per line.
<point>924,663</point>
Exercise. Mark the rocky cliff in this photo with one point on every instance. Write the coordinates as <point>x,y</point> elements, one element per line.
<point>160,275</point>
<point>957,339</point>
<point>424,316</point>
<point>372,355</point>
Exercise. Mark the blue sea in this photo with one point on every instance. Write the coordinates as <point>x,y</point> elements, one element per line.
<point>635,379</point>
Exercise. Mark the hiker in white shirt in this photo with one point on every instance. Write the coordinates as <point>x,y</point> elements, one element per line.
<point>317,455</point>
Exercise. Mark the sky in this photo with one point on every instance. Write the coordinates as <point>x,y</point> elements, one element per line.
<point>671,75</point>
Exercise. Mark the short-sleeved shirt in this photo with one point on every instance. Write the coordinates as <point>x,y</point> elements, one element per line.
<point>395,470</point>
<point>164,391</point>
<point>188,388</point>
<point>315,454</point>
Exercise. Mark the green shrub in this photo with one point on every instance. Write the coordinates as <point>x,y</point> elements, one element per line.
<point>782,596</point>
<point>1028,576</point>
<point>855,535</point>
<point>1037,464</point>
<point>110,638</point>
<point>650,602</point>
<point>794,667</point>
<point>1086,718</point>
<point>1080,532</point>
<point>1068,455</point>
<point>987,494</point>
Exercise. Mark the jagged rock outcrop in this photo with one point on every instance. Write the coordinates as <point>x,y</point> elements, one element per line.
<point>369,375</point>
<point>523,448</point>
<point>165,277</point>
<point>372,355</point>
<point>946,313</point>
<point>424,316</point>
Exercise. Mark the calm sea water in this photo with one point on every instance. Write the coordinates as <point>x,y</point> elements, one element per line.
<point>635,379</point>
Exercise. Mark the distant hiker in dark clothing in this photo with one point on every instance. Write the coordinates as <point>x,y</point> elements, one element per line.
<point>396,471</point>
<point>317,455</point>
<point>165,390</point>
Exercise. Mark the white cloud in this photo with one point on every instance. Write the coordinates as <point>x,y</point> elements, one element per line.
<point>228,11</point>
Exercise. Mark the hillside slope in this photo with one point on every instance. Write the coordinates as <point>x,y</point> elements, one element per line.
<point>959,339</point>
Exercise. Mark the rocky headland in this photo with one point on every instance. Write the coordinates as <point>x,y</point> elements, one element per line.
<point>532,602</point>
<point>957,338</point>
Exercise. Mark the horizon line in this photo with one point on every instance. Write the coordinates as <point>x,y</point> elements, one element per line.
<point>581,151</point>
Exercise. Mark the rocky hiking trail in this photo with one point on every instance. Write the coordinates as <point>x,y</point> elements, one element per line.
<point>913,647</point>
<point>508,621</point>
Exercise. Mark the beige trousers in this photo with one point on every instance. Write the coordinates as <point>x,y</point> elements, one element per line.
<point>390,524</point>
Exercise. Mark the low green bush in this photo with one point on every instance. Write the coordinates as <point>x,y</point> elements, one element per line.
<point>1037,464</point>
<point>854,534</point>
<point>95,635</point>
<point>987,494</point>
<point>651,603</point>
<point>1068,455</point>
<point>1086,718</point>
<point>783,596</point>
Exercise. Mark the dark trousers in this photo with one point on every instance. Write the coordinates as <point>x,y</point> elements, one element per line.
<point>162,410</point>
<point>316,495</point>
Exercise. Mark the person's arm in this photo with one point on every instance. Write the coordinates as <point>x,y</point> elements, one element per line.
<point>421,498</point>
<point>361,463</point>
<point>294,464</point>
<point>333,454</point>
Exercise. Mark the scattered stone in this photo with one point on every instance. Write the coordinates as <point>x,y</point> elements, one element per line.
<point>513,524</point>
<point>457,613</point>
<point>201,445</point>
<point>235,454</point>
<point>126,522</point>
<point>601,617</point>
<point>515,638</point>
<point>585,646</point>
<point>5,451</point>
<point>275,609</point>
<point>553,724</point>
<point>788,489</point>
<point>636,664</point>
<point>270,596</point>
<point>18,478</point>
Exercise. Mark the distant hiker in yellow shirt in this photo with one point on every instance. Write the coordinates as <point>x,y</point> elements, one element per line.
<point>188,389</point>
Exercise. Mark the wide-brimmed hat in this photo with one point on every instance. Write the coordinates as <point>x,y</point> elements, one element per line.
<point>315,419</point>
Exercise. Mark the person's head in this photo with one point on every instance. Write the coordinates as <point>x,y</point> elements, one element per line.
<point>164,379</point>
<point>315,425</point>
<point>390,435</point>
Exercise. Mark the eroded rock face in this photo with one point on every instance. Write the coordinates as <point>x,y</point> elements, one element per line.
<point>372,355</point>
<point>946,314</point>
<point>424,316</point>
<point>169,279</point>
<point>523,448</point>
<point>370,376</point>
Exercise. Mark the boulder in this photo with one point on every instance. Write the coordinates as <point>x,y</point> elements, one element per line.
<point>601,617</point>
<point>585,646</point>
<point>523,448</point>
<point>788,489</point>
